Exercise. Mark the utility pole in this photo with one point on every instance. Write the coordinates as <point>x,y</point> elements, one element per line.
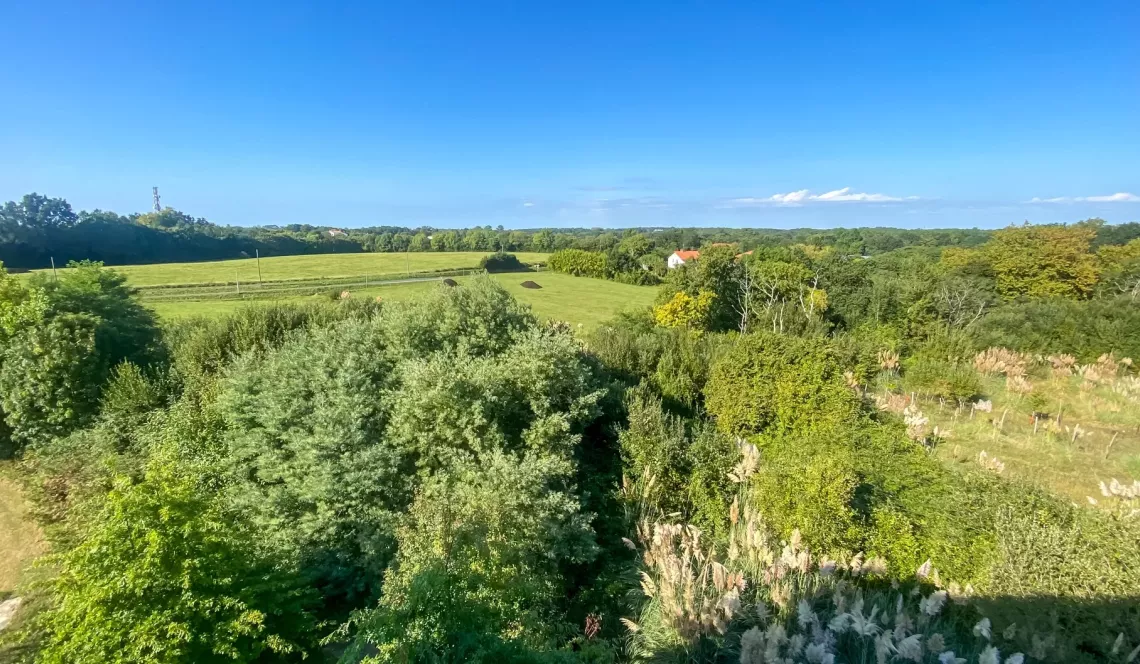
<point>257,256</point>
<point>54,276</point>
<point>157,205</point>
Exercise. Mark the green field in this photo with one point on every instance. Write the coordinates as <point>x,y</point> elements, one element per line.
<point>577,300</point>
<point>304,267</point>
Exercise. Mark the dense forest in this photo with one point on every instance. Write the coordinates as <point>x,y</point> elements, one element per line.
<point>742,473</point>
<point>38,229</point>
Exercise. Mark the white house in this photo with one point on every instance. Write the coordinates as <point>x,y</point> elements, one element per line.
<point>679,258</point>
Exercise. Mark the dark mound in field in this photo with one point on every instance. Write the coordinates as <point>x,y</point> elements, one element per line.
<point>450,282</point>
<point>529,284</point>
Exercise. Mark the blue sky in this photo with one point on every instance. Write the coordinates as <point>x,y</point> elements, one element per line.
<point>578,113</point>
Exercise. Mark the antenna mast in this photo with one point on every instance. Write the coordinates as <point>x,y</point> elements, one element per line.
<point>157,206</point>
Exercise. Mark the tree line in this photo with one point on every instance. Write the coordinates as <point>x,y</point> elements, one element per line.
<point>37,229</point>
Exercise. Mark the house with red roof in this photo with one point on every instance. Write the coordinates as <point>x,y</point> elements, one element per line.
<point>679,258</point>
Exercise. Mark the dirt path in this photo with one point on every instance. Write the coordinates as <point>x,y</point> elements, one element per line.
<point>20,539</point>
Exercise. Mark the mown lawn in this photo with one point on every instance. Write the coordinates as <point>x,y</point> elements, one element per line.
<point>304,267</point>
<point>577,300</point>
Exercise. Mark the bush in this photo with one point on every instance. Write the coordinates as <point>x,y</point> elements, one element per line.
<point>637,277</point>
<point>329,436</point>
<point>478,317</point>
<point>202,347</point>
<point>941,378</point>
<point>579,263</point>
<point>768,380</point>
<point>59,341</point>
<point>478,577</point>
<point>169,573</point>
<point>1084,329</point>
<point>501,262</point>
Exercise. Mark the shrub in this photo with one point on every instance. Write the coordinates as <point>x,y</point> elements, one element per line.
<point>941,378</point>
<point>304,427</point>
<point>637,277</point>
<point>478,574</point>
<point>772,380</point>
<point>1085,329</point>
<point>684,310</point>
<point>202,347</point>
<point>168,573</point>
<point>59,341</point>
<point>501,262</point>
<point>478,317</point>
<point>329,435</point>
<point>579,263</point>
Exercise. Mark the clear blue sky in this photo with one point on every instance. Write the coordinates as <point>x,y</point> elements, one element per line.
<point>578,113</point>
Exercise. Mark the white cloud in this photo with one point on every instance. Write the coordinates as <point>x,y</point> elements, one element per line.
<point>1121,197</point>
<point>845,194</point>
<point>528,204</point>
<point>802,196</point>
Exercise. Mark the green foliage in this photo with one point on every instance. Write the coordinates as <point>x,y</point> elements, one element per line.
<point>1065,571</point>
<point>478,577</point>
<point>202,347</point>
<point>770,380</point>
<point>49,380</point>
<point>303,434</point>
<point>674,361</point>
<point>717,273</point>
<point>579,263</point>
<point>654,446</point>
<point>329,435</point>
<point>478,318</point>
<point>501,262</point>
<point>1045,260</point>
<point>941,378</point>
<point>60,341</point>
<point>684,310</point>
<point>168,573</point>
<point>1084,329</point>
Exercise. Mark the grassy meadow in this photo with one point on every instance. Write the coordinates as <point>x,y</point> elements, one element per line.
<point>577,300</point>
<point>1068,433</point>
<point>316,266</point>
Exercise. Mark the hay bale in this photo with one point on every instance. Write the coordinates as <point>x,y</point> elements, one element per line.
<point>529,284</point>
<point>450,282</point>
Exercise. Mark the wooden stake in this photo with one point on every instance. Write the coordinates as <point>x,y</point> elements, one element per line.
<point>1109,448</point>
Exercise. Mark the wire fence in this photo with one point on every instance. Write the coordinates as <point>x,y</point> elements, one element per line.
<point>286,288</point>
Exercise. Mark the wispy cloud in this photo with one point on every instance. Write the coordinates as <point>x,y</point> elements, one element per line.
<point>528,204</point>
<point>802,196</point>
<point>1120,197</point>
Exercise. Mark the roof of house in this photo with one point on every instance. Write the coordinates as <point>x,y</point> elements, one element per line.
<point>686,255</point>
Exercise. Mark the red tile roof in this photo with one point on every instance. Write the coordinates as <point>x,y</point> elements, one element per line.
<point>687,255</point>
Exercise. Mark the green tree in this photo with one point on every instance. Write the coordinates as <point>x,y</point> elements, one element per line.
<point>684,310</point>
<point>60,341</point>
<point>38,212</point>
<point>479,574</point>
<point>1043,261</point>
<point>167,573</point>
<point>420,242</point>
<point>542,241</point>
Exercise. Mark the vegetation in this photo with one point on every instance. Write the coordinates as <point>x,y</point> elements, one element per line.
<point>794,454</point>
<point>37,229</point>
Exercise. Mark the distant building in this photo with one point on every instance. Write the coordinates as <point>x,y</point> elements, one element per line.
<point>336,232</point>
<point>679,258</point>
